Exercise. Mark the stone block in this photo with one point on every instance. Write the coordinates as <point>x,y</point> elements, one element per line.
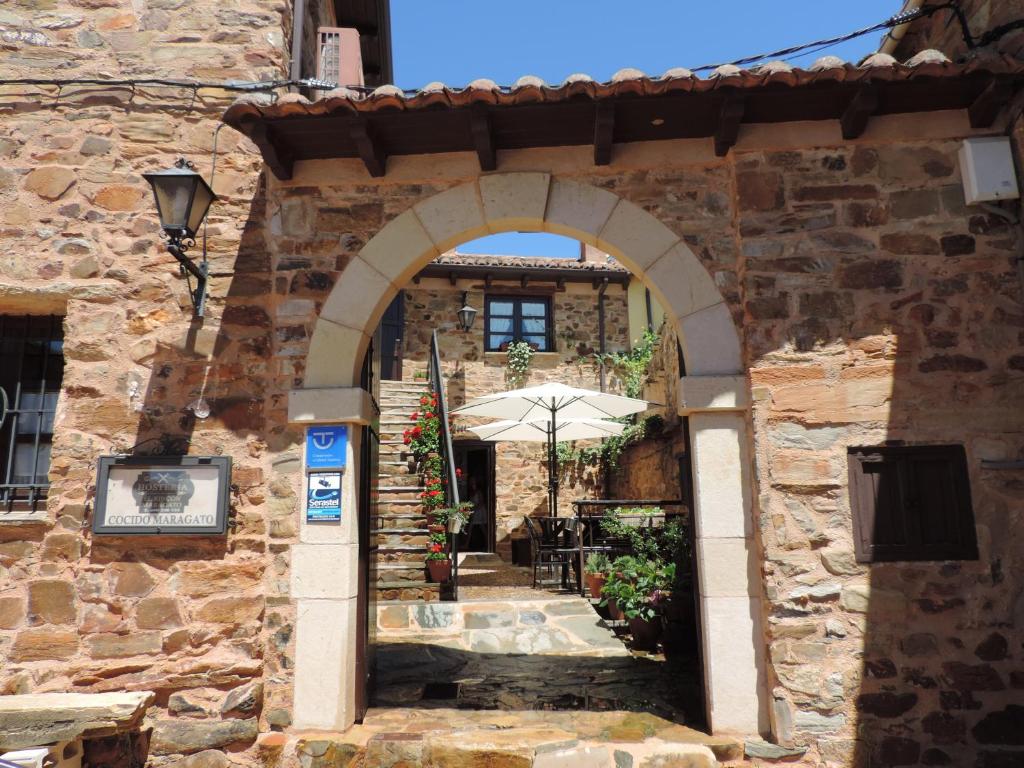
<point>324,571</point>
<point>400,249</point>
<point>184,737</point>
<point>359,297</point>
<point>243,700</point>
<point>731,665</point>
<point>46,718</point>
<point>12,612</point>
<point>578,210</point>
<point>452,217</point>
<point>132,580</point>
<point>331,344</point>
<point>727,567</point>
<point>681,283</point>
<point>713,393</point>
<point>231,610</point>
<point>514,201</point>
<point>575,757</point>
<point>52,601</point>
<point>721,475</point>
<point>110,646</point>
<point>325,642</point>
<point>45,644</point>
<point>120,197</point>
<point>434,616</point>
<point>479,619</point>
<point>710,342</point>
<point>201,578</point>
<point>157,613</point>
<point>635,237</point>
<point>330,405</point>
<point>50,182</point>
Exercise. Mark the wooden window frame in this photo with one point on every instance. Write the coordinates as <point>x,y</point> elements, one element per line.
<point>517,318</point>
<point>904,510</point>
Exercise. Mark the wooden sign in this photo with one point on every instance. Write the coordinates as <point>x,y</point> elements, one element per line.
<point>166,495</point>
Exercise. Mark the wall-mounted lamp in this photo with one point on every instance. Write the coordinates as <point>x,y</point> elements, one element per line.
<point>467,314</point>
<point>182,199</point>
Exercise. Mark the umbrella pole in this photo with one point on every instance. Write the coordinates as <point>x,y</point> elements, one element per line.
<point>552,467</point>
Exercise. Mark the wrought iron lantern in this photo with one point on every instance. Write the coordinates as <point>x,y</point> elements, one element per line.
<point>182,199</point>
<point>467,314</point>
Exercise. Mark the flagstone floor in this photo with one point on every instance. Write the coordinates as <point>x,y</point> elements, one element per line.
<point>505,646</point>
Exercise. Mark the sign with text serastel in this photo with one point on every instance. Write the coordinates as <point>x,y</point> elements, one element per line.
<point>325,447</point>
<point>162,495</point>
<point>323,497</point>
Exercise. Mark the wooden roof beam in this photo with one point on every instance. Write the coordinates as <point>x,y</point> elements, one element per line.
<point>370,150</point>
<point>855,118</point>
<point>604,128</point>
<point>983,112</point>
<point>729,121</point>
<point>277,156</point>
<point>483,138</point>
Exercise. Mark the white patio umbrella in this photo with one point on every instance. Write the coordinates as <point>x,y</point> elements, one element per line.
<point>540,430</point>
<point>553,402</point>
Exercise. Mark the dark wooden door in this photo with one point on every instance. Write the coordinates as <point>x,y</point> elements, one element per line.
<point>366,601</point>
<point>476,459</point>
<point>392,334</point>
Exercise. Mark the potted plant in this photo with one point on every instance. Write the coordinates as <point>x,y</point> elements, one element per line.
<point>596,572</point>
<point>457,517</point>
<point>621,574</point>
<point>639,589</point>
<point>439,564</point>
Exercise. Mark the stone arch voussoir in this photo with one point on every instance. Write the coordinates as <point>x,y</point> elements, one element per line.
<point>523,201</point>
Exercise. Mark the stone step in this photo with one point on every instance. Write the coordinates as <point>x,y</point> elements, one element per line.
<point>400,573</point>
<point>412,522</point>
<point>405,593</point>
<point>396,492</point>
<point>388,538</point>
<point>418,385</point>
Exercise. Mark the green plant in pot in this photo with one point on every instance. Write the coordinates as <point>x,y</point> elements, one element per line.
<point>596,572</point>
<point>640,589</point>
<point>439,563</point>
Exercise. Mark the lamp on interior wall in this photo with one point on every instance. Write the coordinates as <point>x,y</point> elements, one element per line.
<point>467,314</point>
<point>182,199</point>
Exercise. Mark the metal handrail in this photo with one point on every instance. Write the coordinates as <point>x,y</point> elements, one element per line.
<point>451,487</point>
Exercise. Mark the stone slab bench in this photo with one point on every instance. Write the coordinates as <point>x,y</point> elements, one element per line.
<point>39,719</point>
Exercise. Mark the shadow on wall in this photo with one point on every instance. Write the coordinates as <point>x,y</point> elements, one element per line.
<point>918,661</point>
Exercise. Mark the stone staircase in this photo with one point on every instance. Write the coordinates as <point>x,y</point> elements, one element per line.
<point>400,527</point>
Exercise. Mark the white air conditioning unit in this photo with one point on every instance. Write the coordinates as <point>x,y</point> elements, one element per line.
<point>986,165</point>
<point>339,60</point>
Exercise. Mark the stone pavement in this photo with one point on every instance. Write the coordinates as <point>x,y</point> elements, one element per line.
<point>545,653</point>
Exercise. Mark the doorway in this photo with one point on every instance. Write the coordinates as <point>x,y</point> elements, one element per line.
<point>392,336</point>
<point>475,462</point>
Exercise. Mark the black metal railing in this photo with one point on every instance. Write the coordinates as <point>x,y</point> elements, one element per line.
<point>451,486</point>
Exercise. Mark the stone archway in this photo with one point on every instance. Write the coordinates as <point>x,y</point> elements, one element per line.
<point>714,394</point>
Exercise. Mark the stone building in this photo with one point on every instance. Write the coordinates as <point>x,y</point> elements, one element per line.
<point>839,305</point>
<point>584,307</point>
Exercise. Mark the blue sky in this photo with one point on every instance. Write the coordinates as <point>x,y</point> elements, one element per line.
<point>457,41</point>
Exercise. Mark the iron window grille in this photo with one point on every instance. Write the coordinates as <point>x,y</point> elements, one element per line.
<point>517,318</point>
<point>32,351</point>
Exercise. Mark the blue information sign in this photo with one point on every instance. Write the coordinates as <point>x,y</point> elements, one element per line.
<point>325,447</point>
<point>323,497</point>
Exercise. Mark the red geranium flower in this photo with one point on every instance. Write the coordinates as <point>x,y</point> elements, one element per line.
<point>428,415</point>
<point>458,472</point>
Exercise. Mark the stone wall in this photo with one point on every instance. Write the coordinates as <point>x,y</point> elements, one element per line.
<point>521,468</point>
<point>651,467</point>
<point>943,32</point>
<point>874,306</point>
<point>206,624</point>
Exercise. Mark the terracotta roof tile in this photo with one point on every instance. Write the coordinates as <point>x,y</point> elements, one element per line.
<point>527,89</point>
<point>454,258</point>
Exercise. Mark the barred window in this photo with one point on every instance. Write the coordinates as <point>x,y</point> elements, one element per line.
<point>32,351</point>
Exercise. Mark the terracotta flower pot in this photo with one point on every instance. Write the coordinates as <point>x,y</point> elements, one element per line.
<point>435,527</point>
<point>595,582</point>
<point>613,611</point>
<point>440,570</point>
<point>646,633</point>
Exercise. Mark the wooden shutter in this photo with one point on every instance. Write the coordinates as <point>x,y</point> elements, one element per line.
<point>911,503</point>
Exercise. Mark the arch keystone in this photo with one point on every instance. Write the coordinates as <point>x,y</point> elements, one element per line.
<point>515,200</point>
<point>453,216</point>
<point>635,237</point>
<point>578,210</point>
